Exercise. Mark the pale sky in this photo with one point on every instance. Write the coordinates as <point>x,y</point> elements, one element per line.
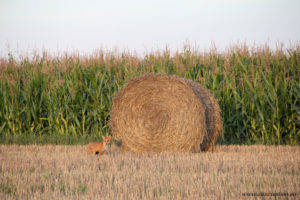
<point>138,25</point>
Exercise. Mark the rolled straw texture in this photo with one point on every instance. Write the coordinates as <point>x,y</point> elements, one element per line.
<point>213,118</point>
<point>155,113</point>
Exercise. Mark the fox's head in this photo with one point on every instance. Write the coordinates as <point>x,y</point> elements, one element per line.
<point>106,139</point>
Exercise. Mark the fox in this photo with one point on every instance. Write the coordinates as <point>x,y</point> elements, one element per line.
<point>98,147</point>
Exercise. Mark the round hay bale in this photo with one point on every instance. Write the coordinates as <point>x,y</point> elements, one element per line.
<point>155,113</point>
<point>213,118</point>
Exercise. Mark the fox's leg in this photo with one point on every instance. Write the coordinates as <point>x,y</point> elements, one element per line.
<point>101,153</point>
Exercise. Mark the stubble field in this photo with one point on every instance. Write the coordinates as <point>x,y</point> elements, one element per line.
<point>230,172</point>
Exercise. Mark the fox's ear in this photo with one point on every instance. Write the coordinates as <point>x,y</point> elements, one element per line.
<point>103,137</point>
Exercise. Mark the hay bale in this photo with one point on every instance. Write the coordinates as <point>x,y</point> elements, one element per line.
<point>155,113</point>
<point>213,118</point>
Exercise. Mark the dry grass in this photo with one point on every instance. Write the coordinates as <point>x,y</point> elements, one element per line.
<point>66,172</point>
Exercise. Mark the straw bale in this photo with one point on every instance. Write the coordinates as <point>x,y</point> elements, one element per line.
<point>213,118</point>
<point>155,113</point>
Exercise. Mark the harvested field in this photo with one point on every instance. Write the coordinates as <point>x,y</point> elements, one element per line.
<point>230,172</point>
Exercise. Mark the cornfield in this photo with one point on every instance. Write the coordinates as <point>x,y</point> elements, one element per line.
<point>66,99</point>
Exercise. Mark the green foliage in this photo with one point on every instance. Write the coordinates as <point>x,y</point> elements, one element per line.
<point>8,188</point>
<point>67,100</point>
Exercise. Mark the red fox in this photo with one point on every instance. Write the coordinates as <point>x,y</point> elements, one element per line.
<point>98,147</point>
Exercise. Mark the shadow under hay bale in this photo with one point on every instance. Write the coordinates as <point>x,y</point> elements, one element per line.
<point>155,113</point>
